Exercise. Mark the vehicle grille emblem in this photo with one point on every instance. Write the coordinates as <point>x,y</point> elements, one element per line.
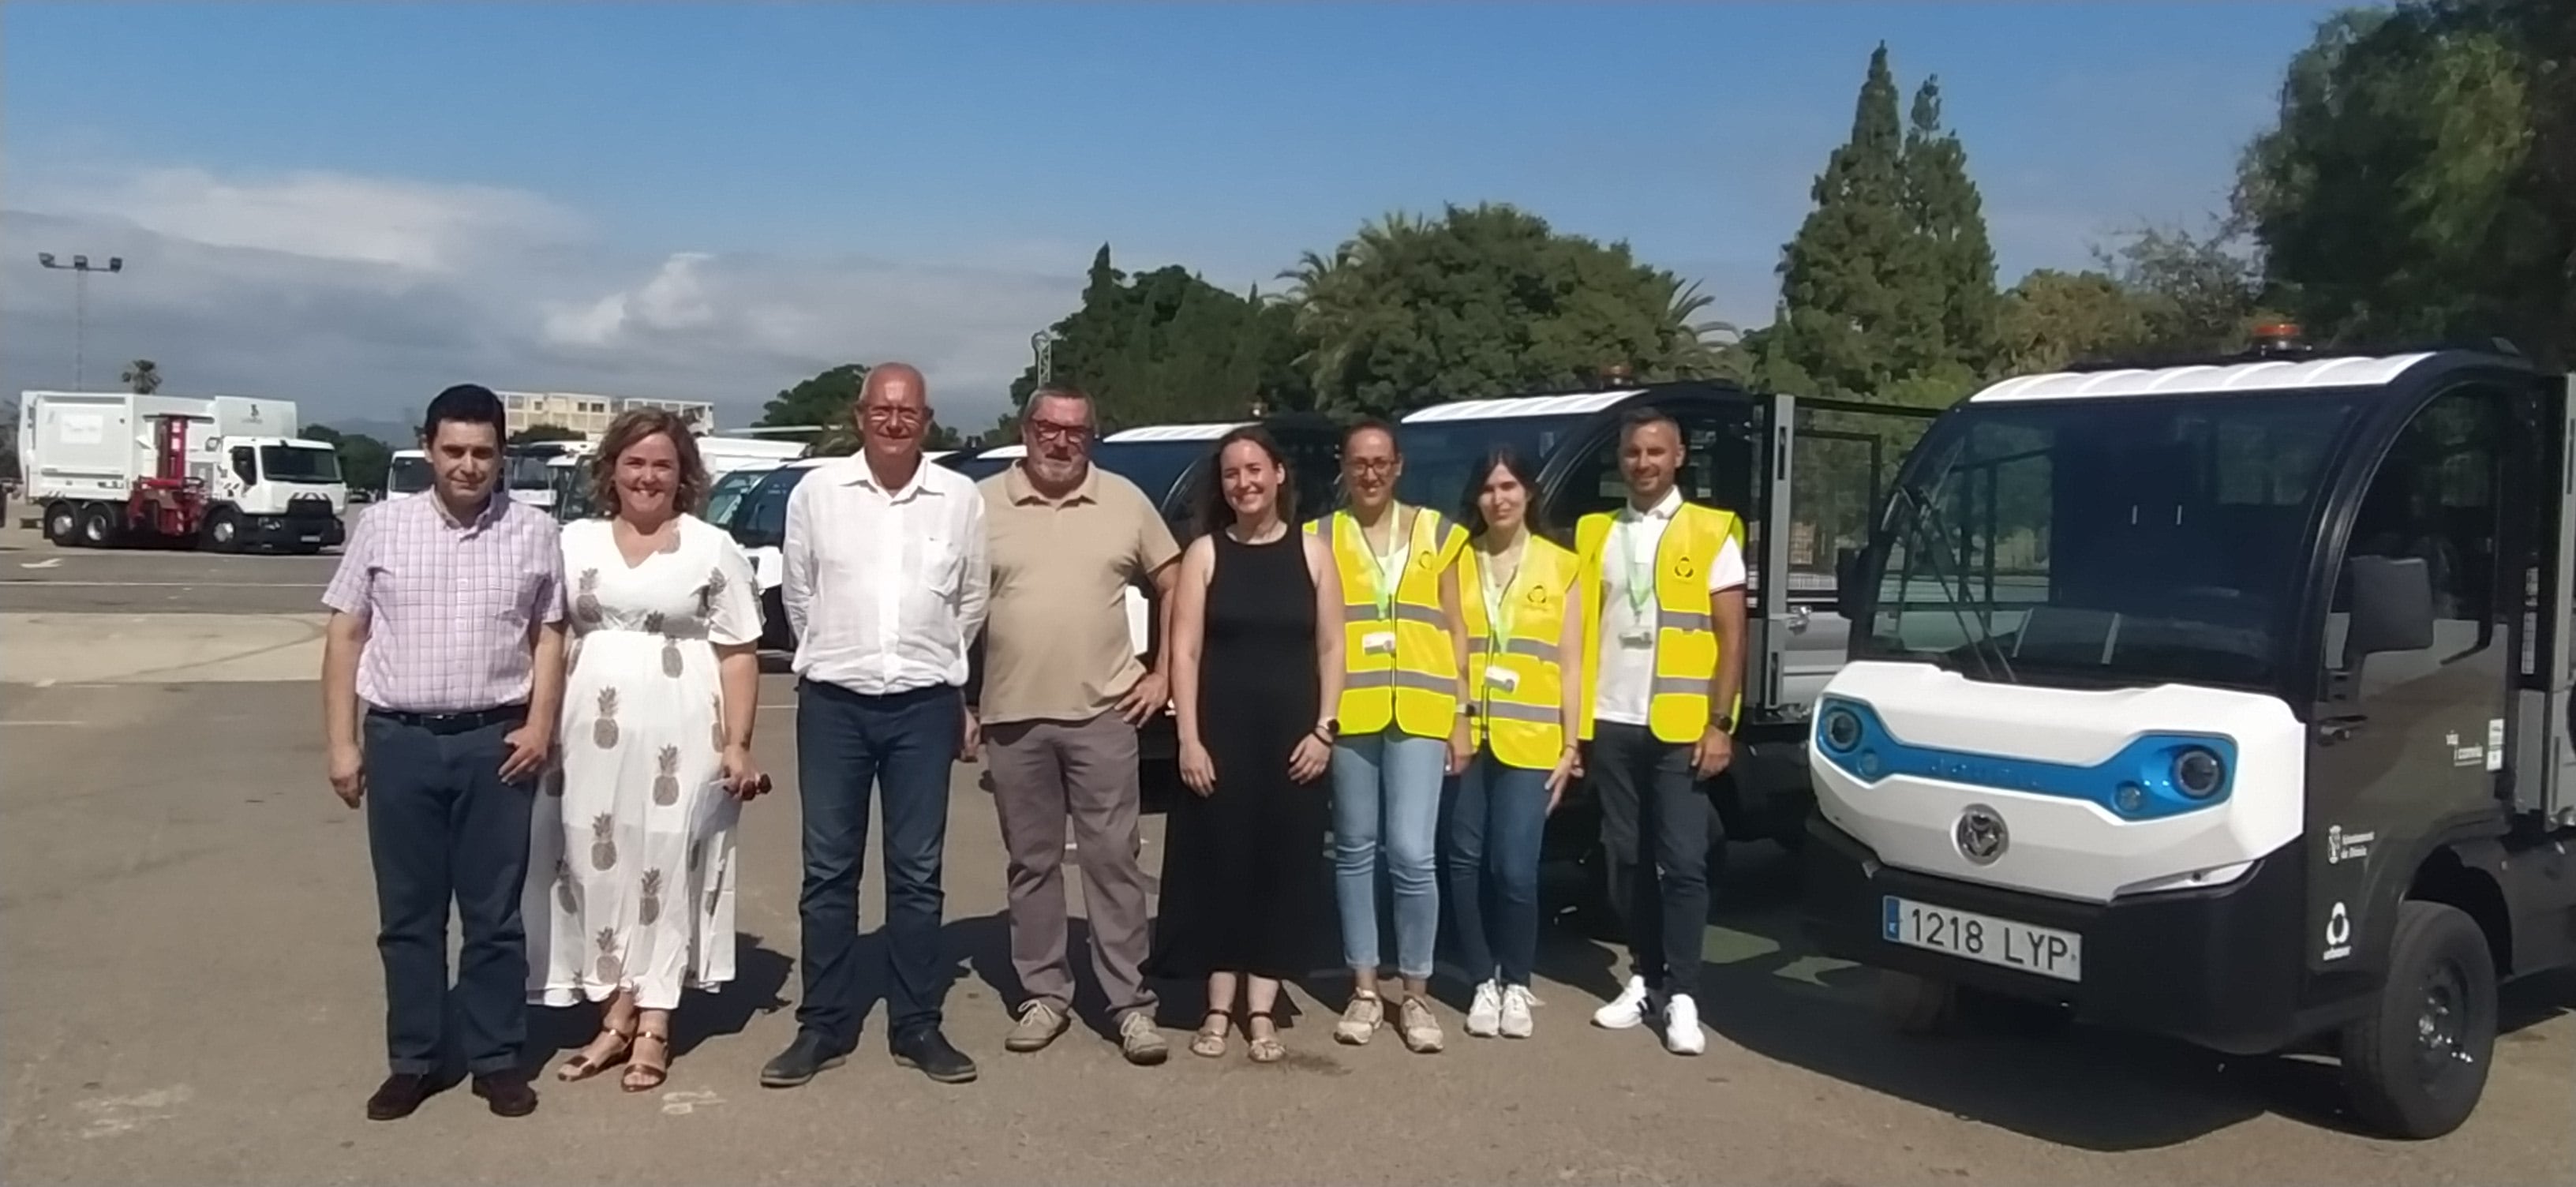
<point>1981,835</point>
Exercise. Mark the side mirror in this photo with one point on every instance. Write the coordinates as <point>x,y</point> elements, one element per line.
<point>1847,580</point>
<point>2392,606</point>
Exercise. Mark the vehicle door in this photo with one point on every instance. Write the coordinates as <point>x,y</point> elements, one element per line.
<point>2407,740</point>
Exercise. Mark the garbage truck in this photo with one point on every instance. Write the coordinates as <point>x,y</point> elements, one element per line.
<point>227,472</point>
<point>2229,702</point>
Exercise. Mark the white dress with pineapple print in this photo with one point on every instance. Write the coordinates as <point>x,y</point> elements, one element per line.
<point>631,858</point>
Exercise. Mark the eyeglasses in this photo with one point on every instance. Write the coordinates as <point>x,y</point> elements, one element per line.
<point>1371,465</point>
<point>881,414</point>
<point>1050,431</point>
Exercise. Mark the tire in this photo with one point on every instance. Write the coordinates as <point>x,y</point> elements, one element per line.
<point>97,526</point>
<point>2415,1065</point>
<point>223,532</point>
<point>1916,1005</point>
<point>62,524</point>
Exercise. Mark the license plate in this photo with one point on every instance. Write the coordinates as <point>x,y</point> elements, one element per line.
<point>2003,942</point>
<point>313,539</point>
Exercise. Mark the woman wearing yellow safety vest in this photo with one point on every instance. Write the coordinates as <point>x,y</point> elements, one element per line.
<point>1525,643</point>
<point>1403,725</point>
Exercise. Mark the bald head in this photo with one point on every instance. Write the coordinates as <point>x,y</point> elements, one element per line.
<point>893,412</point>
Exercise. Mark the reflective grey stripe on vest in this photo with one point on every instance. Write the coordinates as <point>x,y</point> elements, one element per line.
<point>1685,620</point>
<point>1532,648</point>
<point>1507,711</point>
<point>1677,686</point>
<point>1423,614</point>
<point>1384,678</point>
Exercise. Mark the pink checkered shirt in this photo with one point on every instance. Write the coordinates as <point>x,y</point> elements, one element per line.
<point>449,607</point>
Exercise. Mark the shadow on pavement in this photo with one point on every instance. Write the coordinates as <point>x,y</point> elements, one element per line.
<point>758,987</point>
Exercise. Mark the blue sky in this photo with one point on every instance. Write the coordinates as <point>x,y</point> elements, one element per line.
<point>355,204</point>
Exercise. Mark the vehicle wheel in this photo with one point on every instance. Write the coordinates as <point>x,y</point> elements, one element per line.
<point>223,532</point>
<point>2416,1064</point>
<point>98,526</point>
<point>62,524</point>
<point>1916,1005</point>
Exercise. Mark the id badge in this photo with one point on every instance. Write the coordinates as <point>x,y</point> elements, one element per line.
<point>1378,643</point>
<point>1502,679</point>
<point>1642,640</point>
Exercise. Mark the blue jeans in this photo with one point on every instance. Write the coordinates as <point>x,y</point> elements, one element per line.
<point>1494,832</point>
<point>904,742</point>
<point>442,826</point>
<point>1386,793</point>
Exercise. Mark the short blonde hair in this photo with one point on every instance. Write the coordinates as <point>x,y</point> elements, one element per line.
<point>623,433</point>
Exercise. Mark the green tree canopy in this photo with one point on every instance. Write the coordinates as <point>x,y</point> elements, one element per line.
<point>2054,318</point>
<point>1947,216</point>
<point>1167,346</point>
<point>1857,297</point>
<point>143,377</point>
<point>1486,301</point>
<point>823,400</point>
<point>363,459</point>
<point>544,432</point>
<point>2421,179</point>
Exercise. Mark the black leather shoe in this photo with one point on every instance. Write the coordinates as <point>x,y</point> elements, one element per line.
<point>509,1093</point>
<point>395,1099</point>
<point>929,1051</point>
<point>809,1054</point>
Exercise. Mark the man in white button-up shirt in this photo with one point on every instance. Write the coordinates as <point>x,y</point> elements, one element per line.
<point>884,584</point>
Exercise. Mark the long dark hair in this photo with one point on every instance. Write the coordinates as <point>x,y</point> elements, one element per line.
<point>1471,513</point>
<point>1214,513</point>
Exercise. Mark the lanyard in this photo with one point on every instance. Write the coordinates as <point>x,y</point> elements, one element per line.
<point>1499,610</point>
<point>1641,571</point>
<point>1390,565</point>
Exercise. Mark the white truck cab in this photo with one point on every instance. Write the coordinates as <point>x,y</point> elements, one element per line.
<point>2229,702</point>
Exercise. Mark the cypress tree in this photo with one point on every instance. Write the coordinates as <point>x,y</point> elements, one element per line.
<point>1960,324</point>
<point>1847,286</point>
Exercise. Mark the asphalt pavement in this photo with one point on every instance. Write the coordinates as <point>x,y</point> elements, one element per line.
<point>192,994</point>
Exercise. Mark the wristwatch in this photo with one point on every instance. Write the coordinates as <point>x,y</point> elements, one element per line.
<point>1330,728</point>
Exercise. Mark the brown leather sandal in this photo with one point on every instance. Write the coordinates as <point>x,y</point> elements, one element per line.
<point>583,1066</point>
<point>645,1076</point>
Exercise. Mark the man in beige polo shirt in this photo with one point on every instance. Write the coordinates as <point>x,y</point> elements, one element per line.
<point>1062,695</point>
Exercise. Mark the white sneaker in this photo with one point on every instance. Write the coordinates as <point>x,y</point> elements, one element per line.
<point>1626,1010</point>
<point>1682,1035</point>
<point>1517,1000</point>
<point>1485,1014</point>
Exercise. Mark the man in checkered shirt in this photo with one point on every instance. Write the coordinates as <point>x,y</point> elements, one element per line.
<point>442,672</point>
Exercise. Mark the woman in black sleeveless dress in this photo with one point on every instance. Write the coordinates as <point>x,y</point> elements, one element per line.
<point>1256,656</point>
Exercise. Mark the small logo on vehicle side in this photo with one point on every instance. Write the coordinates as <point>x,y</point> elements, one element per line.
<point>1981,835</point>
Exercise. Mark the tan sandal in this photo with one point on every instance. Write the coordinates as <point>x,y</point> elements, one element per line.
<point>1211,1043</point>
<point>583,1066</point>
<point>642,1076</point>
<point>1263,1048</point>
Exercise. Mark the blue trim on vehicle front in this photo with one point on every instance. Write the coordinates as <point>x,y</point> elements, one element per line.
<point>2144,769</point>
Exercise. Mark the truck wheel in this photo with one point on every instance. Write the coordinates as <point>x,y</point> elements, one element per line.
<point>223,532</point>
<point>2416,1064</point>
<point>62,524</point>
<point>1916,1005</point>
<point>98,526</point>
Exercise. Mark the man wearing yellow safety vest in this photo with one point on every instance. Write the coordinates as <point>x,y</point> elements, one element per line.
<point>1664,658</point>
<point>1402,726</point>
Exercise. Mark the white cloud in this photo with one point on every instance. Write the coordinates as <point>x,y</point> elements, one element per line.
<point>360,297</point>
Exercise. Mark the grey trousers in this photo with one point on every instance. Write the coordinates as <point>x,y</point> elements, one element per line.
<point>1044,774</point>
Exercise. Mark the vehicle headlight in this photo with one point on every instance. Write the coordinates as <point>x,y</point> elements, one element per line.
<point>1841,729</point>
<point>2199,773</point>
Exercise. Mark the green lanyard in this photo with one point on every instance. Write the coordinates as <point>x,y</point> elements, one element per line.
<point>1499,609</point>
<point>1390,565</point>
<point>1641,572</point>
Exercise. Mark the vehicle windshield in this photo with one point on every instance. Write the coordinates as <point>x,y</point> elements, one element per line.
<point>1156,467</point>
<point>527,470</point>
<point>1440,455</point>
<point>299,463</point>
<point>407,475</point>
<point>760,521</point>
<point>2106,542</point>
<point>727,493</point>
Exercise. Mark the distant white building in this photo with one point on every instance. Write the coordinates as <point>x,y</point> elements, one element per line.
<point>589,415</point>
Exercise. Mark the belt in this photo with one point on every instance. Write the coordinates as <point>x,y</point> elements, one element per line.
<point>453,723</point>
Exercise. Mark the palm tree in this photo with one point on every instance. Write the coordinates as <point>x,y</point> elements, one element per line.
<point>142,377</point>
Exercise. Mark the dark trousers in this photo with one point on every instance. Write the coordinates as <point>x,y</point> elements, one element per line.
<point>442,825</point>
<point>1654,826</point>
<point>1496,823</point>
<point>847,743</point>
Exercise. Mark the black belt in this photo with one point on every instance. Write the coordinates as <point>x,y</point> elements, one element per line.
<point>453,723</point>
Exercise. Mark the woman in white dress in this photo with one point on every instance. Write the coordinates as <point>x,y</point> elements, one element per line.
<point>630,894</point>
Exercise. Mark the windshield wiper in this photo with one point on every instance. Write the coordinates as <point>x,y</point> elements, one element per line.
<point>1981,637</point>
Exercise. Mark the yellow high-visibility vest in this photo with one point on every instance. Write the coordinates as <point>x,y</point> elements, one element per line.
<point>1399,664</point>
<point>1686,645</point>
<point>1512,665</point>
